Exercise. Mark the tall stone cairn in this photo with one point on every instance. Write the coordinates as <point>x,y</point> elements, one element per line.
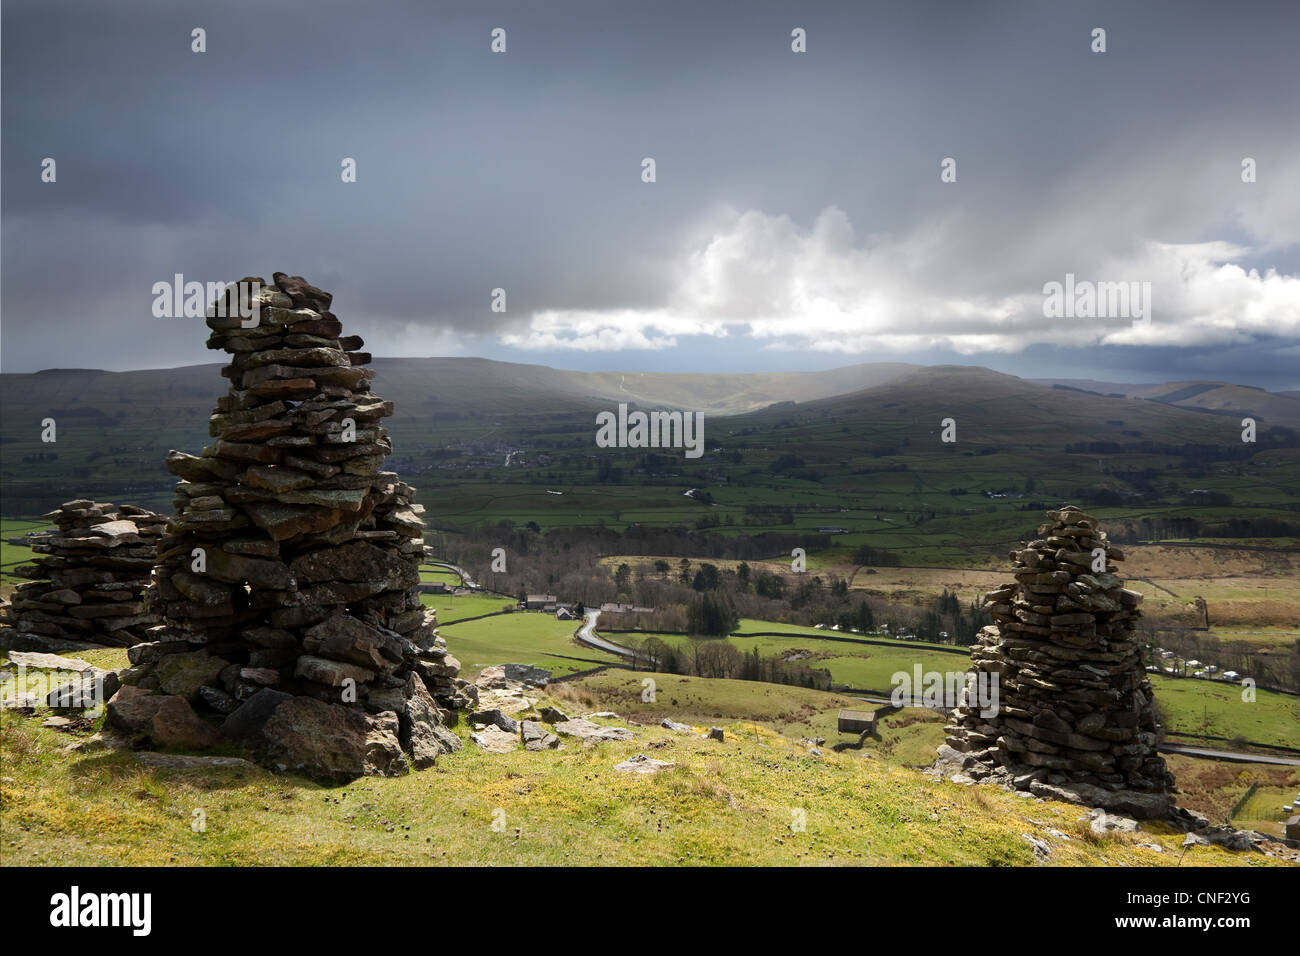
<point>1076,717</point>
<point>287,577</point>
<point>88,581</point>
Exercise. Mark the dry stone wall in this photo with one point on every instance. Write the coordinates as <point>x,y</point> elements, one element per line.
<point>288,575</point>
<point>1076,717</point>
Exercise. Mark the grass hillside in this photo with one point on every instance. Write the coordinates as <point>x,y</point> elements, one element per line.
<point>736,802</point>
<point>759,797</point>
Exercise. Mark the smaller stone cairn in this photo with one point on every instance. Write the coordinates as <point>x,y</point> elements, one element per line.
<point>89,583</point>
<point>1076,717</point>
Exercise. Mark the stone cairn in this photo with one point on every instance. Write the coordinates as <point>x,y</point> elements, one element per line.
<point>1076,717</point>
<point>288,575</point>
<point>88,584</point>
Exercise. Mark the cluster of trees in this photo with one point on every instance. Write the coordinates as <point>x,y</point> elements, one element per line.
<point>947,617</point>
<point>703,657</point>
<point>1161,527</point>
<point>712,614</point>
<point>1276,436</point>
<point>880,557</point>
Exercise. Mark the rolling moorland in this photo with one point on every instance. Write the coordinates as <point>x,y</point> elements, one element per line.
<point>503,455</point>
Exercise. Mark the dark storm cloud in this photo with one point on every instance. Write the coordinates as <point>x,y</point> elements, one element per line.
<point>522,170</point>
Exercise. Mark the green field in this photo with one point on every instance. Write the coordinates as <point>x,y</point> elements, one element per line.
<point>12,555</point>
<point>525,637</point>
<point>1216,709</point>
<point>866,667</point>
<point>452,607</point>
<point>445,575</point>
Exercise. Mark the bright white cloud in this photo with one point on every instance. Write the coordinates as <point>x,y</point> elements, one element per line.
<point>819,289</point>
<point>589,331</point>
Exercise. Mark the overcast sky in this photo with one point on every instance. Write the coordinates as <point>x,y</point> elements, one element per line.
<point>797,220</point>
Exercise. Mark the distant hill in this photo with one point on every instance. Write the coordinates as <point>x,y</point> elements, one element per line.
<point>1217,397</point>
<point>465,416</point>
<point>1015,409</point>
<point>439,385</point>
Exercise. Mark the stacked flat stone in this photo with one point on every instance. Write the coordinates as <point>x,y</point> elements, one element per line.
<point>89,580</point>
<point>1076,717</point>
<point>288,575</point>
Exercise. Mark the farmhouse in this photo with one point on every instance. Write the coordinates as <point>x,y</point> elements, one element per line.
<point>538,602</point>
<point>611,608</point>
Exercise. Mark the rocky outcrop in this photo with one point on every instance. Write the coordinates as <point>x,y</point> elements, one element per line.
<point>88,582</point>
<point>287,576</point>
<point>1075,719</point>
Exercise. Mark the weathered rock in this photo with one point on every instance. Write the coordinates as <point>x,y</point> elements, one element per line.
<point>246,721</point>
<point>53,662</point>
<point>491,677</point>
<point>175,725</point>
<point>344,638</point>
<point>159,761</point>
<point>537,676</point>
<point>88,691</point>
<point>420,725</point>
<point>331,741</point>
<point>537,737</point>
<point>320,670</point>
<point>218,700</point>
<point>447,739</point>
<point>133,713</point>
<point>585,729</point>
<point>643,764</point>
<point>495,740</point>
<point>497,718</point>
<point>1142,806</point>
<point>185,673</point>
<point>1099,821</point>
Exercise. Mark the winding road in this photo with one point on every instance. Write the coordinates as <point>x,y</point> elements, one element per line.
<point>465,579</point>
<point>1228,755</point>
<point>587,635</point>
